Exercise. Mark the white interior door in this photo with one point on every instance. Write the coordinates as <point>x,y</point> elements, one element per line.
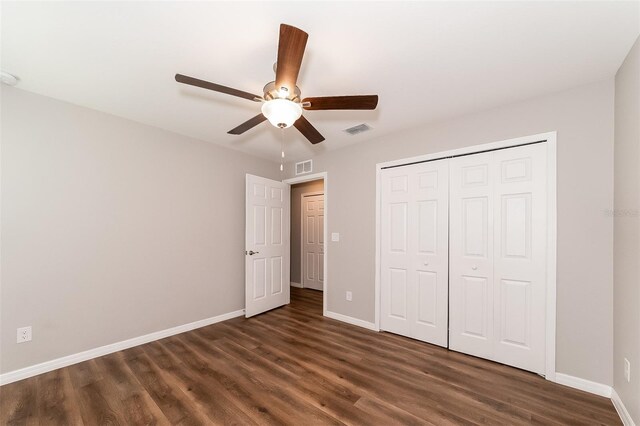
<point>498,243</point>
<point>313,241</point>
<point>267,224</point>
<point>414,257</point>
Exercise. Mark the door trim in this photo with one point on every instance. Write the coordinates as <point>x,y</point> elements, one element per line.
<point>325,177</point>
<point>550,138</point>
<point>305,194</point>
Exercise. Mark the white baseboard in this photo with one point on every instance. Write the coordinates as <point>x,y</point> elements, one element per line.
<point>583,384</point>
<point>621,409</point>
<point>34,370</point>
<point>351,320</point>
<point>295,284</point>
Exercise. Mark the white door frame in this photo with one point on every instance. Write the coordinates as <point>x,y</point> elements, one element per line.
<point>307,178</point>
<point>306,194</point>
<point>550,138</point>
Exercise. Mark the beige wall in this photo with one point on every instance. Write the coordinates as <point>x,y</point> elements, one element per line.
<point>296,227</point>
<point>626,289</point>
<point>112,229</point>
<point>583,118</point>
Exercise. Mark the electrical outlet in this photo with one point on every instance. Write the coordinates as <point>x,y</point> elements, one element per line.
<point>349,296</point>
<point>627,370</point>
<point>24,334</point>
<point>335,236</point>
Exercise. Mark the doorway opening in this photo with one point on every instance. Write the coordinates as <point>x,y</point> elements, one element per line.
<point>308,241</point>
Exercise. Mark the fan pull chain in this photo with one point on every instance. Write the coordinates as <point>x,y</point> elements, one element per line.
<point>282,150</point>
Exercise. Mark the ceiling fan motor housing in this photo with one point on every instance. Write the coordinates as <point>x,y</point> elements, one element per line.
<point>272,92</point>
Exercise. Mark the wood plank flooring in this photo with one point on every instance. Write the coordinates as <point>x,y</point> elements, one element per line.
<point>293,366</point>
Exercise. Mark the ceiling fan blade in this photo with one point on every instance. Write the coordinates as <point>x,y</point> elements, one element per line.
<point>341,102</point>
<point>308,130</point>
<point>216,87</point>
<point>290,51</point>
<point>249,124</point>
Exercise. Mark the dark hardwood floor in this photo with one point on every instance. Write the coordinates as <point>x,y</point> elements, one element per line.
<point>293,366</point>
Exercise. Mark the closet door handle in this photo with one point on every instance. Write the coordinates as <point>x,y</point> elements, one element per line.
<point>474,267</point>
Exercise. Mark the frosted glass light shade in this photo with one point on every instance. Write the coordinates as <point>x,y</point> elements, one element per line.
<point>281,112</point>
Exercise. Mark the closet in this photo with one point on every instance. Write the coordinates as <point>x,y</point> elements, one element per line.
<point>463,253</point>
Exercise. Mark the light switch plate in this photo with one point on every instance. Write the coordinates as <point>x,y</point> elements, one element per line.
<point>627,370</point>
<point>349,296</point>
<point>335,236</point>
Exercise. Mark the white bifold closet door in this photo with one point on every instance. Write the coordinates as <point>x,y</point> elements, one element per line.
<point>414,257</point>
<point>498,243</point>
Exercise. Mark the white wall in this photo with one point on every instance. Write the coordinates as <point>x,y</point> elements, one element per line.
<point>583,118</point>
<point>112,229</point>
<point>626,289</point>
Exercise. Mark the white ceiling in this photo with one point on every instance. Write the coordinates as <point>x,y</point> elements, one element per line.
<point>427,61</point>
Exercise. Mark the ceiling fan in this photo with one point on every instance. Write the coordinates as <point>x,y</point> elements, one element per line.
<point>281,103</point>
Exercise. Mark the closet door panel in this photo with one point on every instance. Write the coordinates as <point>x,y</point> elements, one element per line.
<point>471,255</point>
<point>414,251</point>
<point>394,251</point>
<point>520,225</point>
<point>430,261</point>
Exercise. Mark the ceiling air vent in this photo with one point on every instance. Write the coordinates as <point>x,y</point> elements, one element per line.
<point>360,128</point>
<point>304,167</point>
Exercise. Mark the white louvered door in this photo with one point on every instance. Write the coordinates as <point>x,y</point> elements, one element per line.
<point>414,251</point>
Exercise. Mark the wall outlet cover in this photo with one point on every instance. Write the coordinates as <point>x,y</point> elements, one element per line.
<point>24,334</point>
<point>349,296</point>
<point>335,236</point>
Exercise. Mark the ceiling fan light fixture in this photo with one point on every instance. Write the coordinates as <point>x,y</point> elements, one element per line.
<point>282,113</point>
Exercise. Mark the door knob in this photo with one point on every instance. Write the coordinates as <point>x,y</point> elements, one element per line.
<point>251,252</point>
<point>474,267</point>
